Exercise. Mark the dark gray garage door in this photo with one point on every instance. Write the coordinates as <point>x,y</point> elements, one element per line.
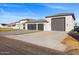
<point>31,26</point>
<point>58,24</point>
<point>40,27</point>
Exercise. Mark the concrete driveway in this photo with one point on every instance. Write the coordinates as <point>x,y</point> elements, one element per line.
<point>49,39</point>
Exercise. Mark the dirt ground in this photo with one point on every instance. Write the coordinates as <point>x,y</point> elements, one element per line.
<point>73,45</point>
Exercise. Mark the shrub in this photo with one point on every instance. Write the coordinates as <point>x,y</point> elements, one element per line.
<point>76,29</point>
<point>6,29</point>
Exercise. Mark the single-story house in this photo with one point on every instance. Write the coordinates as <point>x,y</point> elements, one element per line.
<point>59,22</point>
<point>2,25</point>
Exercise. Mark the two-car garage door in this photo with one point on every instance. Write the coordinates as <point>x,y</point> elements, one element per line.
<point>58,24</point>
<point>35,26</point>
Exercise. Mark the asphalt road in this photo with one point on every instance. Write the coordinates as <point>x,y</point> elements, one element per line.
<point>16,47</point>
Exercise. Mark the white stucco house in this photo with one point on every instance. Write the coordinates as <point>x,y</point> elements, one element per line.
<point>59,22</point>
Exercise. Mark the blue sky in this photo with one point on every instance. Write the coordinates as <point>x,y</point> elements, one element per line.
<point>12,12</point>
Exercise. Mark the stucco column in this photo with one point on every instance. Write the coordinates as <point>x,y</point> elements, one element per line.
<point>26,27</point>
<point>36,27</point>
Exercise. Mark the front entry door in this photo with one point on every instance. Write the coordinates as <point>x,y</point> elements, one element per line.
<point>23,26</point>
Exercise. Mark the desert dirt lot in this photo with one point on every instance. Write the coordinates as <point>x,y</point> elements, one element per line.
<point>72,41</point>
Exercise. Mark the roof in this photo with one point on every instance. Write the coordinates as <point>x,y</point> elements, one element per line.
<point>37,21</point>
<point>27,19</point>
<point>34,20</point>
<point>62,14</point>
<point>4,24</point>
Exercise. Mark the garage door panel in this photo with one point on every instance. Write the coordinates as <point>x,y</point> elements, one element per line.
<point>58,24</point>
<point>31,26</point>
<point>40,27</point>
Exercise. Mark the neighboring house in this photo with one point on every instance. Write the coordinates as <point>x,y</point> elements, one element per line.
<point>3,25</point>
<point>60,22</point>
<point>12,25</point>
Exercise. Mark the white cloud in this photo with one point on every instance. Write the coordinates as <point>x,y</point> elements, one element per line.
<point>59,7</point>
<point>12,5</point>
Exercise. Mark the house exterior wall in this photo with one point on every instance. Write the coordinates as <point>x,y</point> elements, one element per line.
<point>47,26</point>
<point>69,24</point>
<point>1,26</point>
<point>23,21</point>
<point>17,26</point>
<point>26,26</point>
<point>21,26</point>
